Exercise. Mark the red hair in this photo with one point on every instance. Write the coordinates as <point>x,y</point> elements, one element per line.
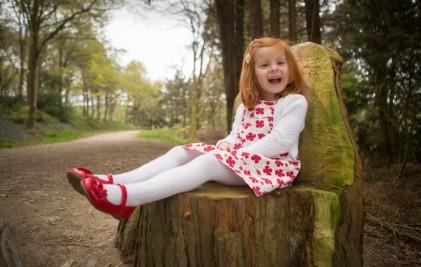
<point>249,87</point>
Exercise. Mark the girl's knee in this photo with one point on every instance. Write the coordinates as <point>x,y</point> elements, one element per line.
<point>176,150</point>
<point>208,160</point>
<point>182,155</point>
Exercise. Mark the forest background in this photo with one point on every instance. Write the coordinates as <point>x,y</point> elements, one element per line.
<point>58,72</point>
<point>56,65</point>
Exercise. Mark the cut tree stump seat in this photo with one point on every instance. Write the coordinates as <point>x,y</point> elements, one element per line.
<point>316,222</point>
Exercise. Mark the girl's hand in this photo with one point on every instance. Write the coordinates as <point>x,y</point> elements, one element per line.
<point>225,146</point>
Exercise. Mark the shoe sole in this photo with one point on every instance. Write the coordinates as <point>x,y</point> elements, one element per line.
<point>74,181</point>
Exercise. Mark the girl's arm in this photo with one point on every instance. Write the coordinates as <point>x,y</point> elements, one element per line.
<point>285,133</point>
<point>232,137</point>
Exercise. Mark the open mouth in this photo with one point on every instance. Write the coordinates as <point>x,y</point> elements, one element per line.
<point>275,80</point>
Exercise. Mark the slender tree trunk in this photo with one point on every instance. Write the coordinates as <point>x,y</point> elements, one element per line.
<point>32,87</point>
<point>292,20</point>
<point>61,67</point>
<point>112,109</point>
<point>239,49</point>
<point>275,27</point>
<point>33,65</point>
<point>98,107</point>
<point>256,24</point>
<point>385,127</point>
<point>22,54</point>
<point>106,105</point>
<point>230,19</point>
<point>313,21</point>
<point>185,109</point>
<point>85,105</point>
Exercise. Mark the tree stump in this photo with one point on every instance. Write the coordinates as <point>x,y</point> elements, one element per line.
<point>316,222</point>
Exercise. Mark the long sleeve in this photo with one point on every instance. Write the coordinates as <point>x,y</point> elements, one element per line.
<point>290,113</point>
<point>232,137</point>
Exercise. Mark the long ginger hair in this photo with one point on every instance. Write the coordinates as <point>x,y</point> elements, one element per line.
<point>249,87</point>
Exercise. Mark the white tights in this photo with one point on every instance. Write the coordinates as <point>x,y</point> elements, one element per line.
<point>179,170</point>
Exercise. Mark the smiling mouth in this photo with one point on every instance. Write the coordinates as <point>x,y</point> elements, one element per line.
<point>275,80</point>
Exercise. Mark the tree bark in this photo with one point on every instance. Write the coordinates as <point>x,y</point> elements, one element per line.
<point>231,221</point>
<point>312,8</point>
<point>275,26</point>
<point>292,20</point>
<point>22,56</point>
<point>316,222</point>
<point>256,24</point>
<point>33,65</point>
<point>230,19</point>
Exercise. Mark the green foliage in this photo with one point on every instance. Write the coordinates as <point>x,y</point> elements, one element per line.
<point>144,97</point>
<point>381,44</point>
<point>20,114</point>
<point>51,104</point>
<point>167,135</point>
<point>8,143</point>
<point>13,134</point>
<point>10,103</point>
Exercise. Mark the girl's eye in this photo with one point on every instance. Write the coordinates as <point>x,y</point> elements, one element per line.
<point>281,62</point>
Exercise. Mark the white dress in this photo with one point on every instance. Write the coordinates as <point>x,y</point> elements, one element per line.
<point>265,145</point>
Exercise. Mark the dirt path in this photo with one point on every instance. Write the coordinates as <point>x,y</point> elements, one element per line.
<point>50,223</point>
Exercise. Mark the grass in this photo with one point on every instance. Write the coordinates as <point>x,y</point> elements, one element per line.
<point>165,135</point>
<point>14,134</point>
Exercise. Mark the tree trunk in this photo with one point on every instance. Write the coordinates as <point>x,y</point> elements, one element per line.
<point>98,108</point>
<point>194,105</point>
<point>313,21</point>
<point>292,20</point>
<point>217,225</point>
<point>275,27</point>
<point>230,19</point>
<point>22,55</point>
<point>316,222</point>
<point>33,65</point>
<point>256,24</point>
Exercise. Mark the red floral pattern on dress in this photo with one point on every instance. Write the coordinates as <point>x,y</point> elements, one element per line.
<point>260,123</point>
<point>209,148</point>
<point>267,170</point>
<point>260,111</point>
<point>250,136</point>
<point>256,158</point>
<point>260,136</point>
<point>262,174</point>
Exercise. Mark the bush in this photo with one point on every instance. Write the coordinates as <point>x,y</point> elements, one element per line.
<point>50,104</point>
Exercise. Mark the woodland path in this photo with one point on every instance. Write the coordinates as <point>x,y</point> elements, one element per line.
<point>53,225</point>
<point>50,223</point>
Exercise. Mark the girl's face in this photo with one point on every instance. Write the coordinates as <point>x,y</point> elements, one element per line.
<point>272,71</point>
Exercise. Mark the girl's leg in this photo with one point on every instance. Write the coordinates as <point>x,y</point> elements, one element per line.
<point>174,157</point>
<point>176,180</point>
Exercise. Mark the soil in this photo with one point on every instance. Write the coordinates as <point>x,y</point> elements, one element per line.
<point>50,223</point>
<point>53,225</point>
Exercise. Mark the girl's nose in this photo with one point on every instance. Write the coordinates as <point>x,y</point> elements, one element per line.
<point>273,67</point>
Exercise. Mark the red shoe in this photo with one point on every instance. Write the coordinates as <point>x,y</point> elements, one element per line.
<point>82,172</point>
<point>76,175</point>
<point>96,194</point>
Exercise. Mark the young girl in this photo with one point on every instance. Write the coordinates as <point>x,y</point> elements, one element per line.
<point>261,151</point>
